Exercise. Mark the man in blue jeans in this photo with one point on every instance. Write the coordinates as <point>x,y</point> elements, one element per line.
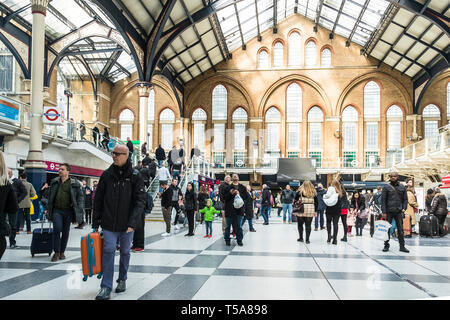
<point>287,197</point>
<point>266,206</point>
<point>118,206</point>
<point>233,214</point>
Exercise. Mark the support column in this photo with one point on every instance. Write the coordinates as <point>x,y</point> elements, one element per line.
<point>35,165</point>
<point>95,116</point>
<point>144,91</point>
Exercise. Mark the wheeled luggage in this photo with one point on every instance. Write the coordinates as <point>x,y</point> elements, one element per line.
<point>428,226</point>
<point>42,240</point>
<point>91,255</point>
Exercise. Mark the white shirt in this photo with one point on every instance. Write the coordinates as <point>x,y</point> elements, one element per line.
<point>163,174</point>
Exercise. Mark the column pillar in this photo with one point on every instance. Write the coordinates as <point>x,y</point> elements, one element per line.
<point>35,165</point>
<point>144,91</point>
<point>95,116</point>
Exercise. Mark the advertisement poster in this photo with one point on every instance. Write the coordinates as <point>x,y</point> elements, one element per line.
<point>9,110</point>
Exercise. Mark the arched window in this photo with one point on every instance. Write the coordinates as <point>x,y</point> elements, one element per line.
<point>372,100</point>
<point>198,118</point>
<point>273,119</point>
<point>278,54</point>
<point>151,105</point>
<point>240,114</point>
<point>219,103</point>
<point>394,117</point>
<point>326,58</point>
<point>310,54</point>
<point>263,60</point>
<point>126,119</point>
<point>239,125</point>
<point>7,69</point>
<point>315,119</point>
<point>294,49</point>
<point>431,116</point>
<point>349,128</point>
<point>294,102</point>
<point>167,117</point>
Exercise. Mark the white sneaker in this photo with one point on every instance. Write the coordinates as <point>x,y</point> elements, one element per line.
<point>165,234</point>
<point>177,227</point>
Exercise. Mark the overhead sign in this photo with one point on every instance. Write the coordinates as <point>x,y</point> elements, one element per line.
<point>53,116</point>
<point>9,110</point>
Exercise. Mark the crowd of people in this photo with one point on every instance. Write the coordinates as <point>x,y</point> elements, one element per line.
<point>119,200</point>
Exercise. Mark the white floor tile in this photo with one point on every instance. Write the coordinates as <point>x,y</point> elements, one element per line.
<point>269,263</point>
<point>6,274</point>
<point>200,271</point>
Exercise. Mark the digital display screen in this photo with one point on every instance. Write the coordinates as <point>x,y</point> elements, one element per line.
<point>296,169</point>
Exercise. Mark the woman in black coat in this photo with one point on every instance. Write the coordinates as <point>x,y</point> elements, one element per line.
<point>358,206</point>
<point>248,209</point>
<point>191,207</point>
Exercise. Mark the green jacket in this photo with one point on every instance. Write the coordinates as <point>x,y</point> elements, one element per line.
<point>76,196</point>
<point>209,213</point>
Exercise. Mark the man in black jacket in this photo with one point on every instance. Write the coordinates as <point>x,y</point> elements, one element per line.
<point>394,202</point>
<point>222,188</point>
<point>146,161</point>
<point>176,195</point>
<point>152,169</point>
<point>145,173</point>
<point>118,206</point>
<point>265,204</point>
<point>166,206</point>
<point>20,192</point>
<point>234,215</point>
<point>160,155</point>
<point>130,147</point>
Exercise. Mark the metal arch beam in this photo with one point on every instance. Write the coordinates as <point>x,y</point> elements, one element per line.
<point>423,11</point>
<point>361,14</point>
<point>108,66</point>
<point>275,16</point>
<point>91,75</point>
<point>170,35</point>
<point>15,13</point>
<point>18,58</point>
<point>337,19</point>
<point>125,28</point>
<point>174,84</point>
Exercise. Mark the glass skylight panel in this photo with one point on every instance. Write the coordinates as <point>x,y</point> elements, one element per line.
<point>342,31</point>
<point>16,4</point>
<point>329,13</point>
<point>346,22</point>
<point>74,13</point>
<point>352,9</point>
<point>281,6</point>
<point>325,23</point>
<point>312,9</point>
<point>371,18</point>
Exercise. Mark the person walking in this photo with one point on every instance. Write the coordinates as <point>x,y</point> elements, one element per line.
<point>130,147</point>
<point>320,209</point>
<point>20,192</point>
<point>118,205</point>
<point>163,176</point>
<point>65,205</point>
<point>248,209</point>
<point>145,173</point>
<point>234,212</point>
<point>439,209</point>
<point>202,197</point>
<point>394,202</point>
<point>87,194</point>
<point>25,204</point>
<point>191,207</point>
<point>345,206</point>
<point>106,138</point>
<point>146,161</point>
<point>166,205</point>
<point>144,149</point>
<point>332,200</point>
<point>176,168</point>
<point>160,155</point>
<point>208,212</point>
<point>287,197</point>
<point>177,194</point>
<point>96,135</point>
<point>222,187</point>
<point>8,204</point>
<point>358,208</point>
<point>151,168</point>
<point>82,128</point>
<point>306,195</point>
<point>265,204</point>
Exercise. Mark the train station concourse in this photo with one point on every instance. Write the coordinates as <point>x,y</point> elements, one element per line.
<point>251,150</point>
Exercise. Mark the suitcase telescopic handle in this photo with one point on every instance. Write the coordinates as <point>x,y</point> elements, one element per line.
<point>42,225</point>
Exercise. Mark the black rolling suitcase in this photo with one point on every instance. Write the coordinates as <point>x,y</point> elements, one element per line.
<point>42,241</point>
<point>428,226</point>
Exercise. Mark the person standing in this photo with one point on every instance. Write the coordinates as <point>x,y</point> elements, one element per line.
<point>358,208</point>
<point>429,200</point>
<point>439,209</point>
<point>118,205</point>
<point>176,169</point>
<point>146,161</point>
<point>25,204</point>
<point>222,187</point>
<point>145,173</point>
<point>106,138</point>
<point>82,128</point>
<point>176,195</point>
<point>345,207</point>
<point>163,175</point>
<point>8,203</point>
<point>208,212</point>
<point>20,192</point>
<point>287,197</point>
<point>87,193</point>
<point>144,149</point>
<point>65,205</point>
<point>191,207</point>
<point>234,215</point>
<point>412,209</point>
<point>265,204</point>
<point>248,211</point>
<point>394,202</point>
<point>320,209</point>
<point>96,135</point>
<point>160,155</point>
<point>306,195</point>
<point>202,197</point>
<point>130,147</point>
<point>166,205</point>
<point>279,204</point>
<point>332,200</point>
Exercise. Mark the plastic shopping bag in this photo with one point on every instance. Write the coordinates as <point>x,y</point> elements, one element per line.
<point>381,230</point>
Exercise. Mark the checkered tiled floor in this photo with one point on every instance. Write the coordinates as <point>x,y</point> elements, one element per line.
<point>270,265</point>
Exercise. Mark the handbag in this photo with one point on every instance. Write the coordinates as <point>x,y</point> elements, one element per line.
<point>298,206</point>
<point>381,230</point>
<point>363,214</point>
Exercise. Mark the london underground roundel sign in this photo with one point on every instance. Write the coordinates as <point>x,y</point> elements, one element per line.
<point>53,116</point>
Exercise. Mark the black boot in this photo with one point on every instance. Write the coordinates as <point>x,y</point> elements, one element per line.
<point>403,249</point>
<point>344,239</point>
<point>329,238</point>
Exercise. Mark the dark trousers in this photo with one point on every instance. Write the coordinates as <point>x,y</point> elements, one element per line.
<point>307,221</point>
<point>399,222</point>
<point>2,246</point>
<point>12,222</point>
<point>441,221</point>
<point>139,236</point>
<point>279,211</point>
<point>236,221</point>
<point>61,229</point>
<point>360,223</point>
<point>344,223</point>
<point>335,220</point>
<point>177,208</point>
<point>316,220</point>
<point>88,215</point>
<point>23,214</point>
<point>190,217</point>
